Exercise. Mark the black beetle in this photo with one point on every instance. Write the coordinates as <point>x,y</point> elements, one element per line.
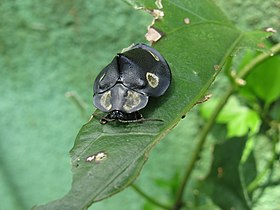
<point>123,87</point>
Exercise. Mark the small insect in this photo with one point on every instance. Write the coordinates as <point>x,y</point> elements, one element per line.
<point>124,86</point>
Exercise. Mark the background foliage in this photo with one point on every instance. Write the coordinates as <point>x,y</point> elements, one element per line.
<point>52,47</point>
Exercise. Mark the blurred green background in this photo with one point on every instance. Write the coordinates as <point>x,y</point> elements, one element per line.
<point>48,48</point>
<point>51,48</point>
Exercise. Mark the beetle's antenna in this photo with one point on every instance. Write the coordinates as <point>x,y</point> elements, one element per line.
<point>105,120</point>
<point>152,119</point>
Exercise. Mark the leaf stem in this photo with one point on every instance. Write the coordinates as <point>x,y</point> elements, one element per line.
<point>201,140</point>
<point>207,127</point>
<point>257,60</point>
<point>147,197</point>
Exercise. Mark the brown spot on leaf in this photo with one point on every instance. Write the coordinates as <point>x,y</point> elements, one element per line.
<point>204,99</point>
<point>220,172</point>
<point>216,67</point>
<point>261,45</point>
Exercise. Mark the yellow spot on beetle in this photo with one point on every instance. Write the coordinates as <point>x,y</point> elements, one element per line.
<point>154,56</point>
<point>105,100</point>
<point>132,100</point>
<point>102,77</point>
<point>152,79</point>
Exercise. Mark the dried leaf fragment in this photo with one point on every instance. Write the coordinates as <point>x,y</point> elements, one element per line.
<point>153,35</point>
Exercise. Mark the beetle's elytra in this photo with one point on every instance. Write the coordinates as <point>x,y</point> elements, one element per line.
<point>124,86</point>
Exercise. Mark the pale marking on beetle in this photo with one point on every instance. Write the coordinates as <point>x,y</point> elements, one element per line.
<point>127,48</point>
<point>105,100</point>
<point>154,56</point>
<point>102,77</point>
<point>152,79</point>
<point>132,100</point>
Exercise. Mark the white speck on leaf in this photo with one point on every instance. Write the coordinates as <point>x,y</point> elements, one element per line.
<point>90,158</point>
<point>100,156</point>
<point>96,157</point>
<point>270,29</point>
<point>187,21</point>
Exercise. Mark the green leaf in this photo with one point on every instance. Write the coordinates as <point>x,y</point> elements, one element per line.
<point>224,183</point>
<point>264,80</point>
<point>248,169</point>
<point>195,51</point>
<point>240,119</point>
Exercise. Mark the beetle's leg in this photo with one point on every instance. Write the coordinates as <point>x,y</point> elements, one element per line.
<point>93,115</point>
<point>103,121</point>
<point>106,119</point>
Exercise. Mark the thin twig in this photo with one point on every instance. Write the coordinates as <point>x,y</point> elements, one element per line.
<point>257,60</point>
<point>201,140</point>
<point>147,197</point>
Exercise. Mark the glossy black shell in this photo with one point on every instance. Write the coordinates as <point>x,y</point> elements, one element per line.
<point>128,81</point>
